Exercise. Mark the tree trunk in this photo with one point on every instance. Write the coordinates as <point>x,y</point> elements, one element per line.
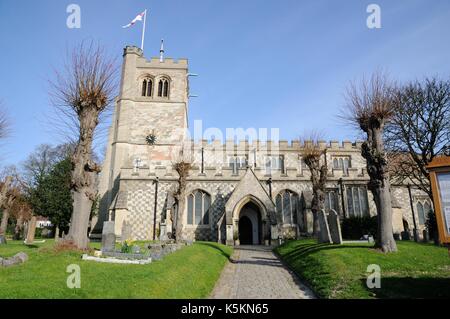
<point>4,223</point>
<point>385,239</point>
<point>18,229</point>
<point>180,218</point>
<point>373,152</point>
<point>83,177</point>
<point>82,206</point>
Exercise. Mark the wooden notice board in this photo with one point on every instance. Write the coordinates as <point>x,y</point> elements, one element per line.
<point>439,170</point>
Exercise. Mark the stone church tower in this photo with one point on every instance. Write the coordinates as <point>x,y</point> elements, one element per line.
<point>148,129</point>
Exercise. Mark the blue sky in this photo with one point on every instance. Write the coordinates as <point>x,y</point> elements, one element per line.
<point>263,64</point>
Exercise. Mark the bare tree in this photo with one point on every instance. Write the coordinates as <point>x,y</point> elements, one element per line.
<point>42,160</point>
<point>314,158</point>
<point>419,130</point>
<point>82,94</point>
<point>370,106</point>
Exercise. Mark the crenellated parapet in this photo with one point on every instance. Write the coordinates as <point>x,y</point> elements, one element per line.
<point>282,145</point>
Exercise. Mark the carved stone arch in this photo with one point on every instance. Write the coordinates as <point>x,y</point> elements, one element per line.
<point>163,85</point>
<point>146,85</point>
<point>250,199</point>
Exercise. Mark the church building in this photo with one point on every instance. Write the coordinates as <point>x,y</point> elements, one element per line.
<point>236,191</point>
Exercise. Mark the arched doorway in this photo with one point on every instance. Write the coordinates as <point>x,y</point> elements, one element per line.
<point>250,226</point>
<point>245,231</point>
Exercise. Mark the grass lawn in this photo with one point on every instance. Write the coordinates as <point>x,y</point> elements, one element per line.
<point>188,273</point>
<point>415,271</point>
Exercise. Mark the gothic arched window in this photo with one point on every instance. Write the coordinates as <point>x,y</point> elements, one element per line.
<point>163,88</point>
<point>287,203</point>
<point>427,209</point>
<point>421,213</point>
<point>144,87</point>
<point>199,203</point>
<point>147,87</point>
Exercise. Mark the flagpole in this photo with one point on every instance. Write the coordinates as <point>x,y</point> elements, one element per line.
<point>143,30</point>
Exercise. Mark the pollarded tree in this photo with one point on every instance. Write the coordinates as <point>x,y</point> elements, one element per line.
<point>182,165</point>
<point>370,106</point>
<point>84,92</point>
<point>314,158</point>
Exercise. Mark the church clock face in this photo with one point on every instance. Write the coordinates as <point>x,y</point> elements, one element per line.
<point>151,139</point>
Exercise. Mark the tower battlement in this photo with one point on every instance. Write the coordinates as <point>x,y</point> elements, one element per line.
<point>155,62</point>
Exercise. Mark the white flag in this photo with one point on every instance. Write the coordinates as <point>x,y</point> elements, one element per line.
<point>139,17</point>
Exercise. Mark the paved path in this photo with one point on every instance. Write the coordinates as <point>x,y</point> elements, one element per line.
<point>256,273</point>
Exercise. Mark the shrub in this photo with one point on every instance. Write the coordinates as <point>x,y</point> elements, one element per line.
<point>431,224</point>
<point>356,227</point>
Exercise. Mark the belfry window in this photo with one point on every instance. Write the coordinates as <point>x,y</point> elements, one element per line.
<point>163,88</point>
<point>199,203</point>
<point>147,87</point>
<point>144,87</point>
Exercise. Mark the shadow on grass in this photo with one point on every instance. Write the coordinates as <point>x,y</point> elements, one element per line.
<point>307,249</point>
<point>31,246</point>
<point>412,288</point>
<point>216,247</point>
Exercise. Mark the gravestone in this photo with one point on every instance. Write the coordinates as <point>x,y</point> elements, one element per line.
<point>426,236</point>
<point>31,231</point>
<point>108,237</point>
<point>324,233</point>
<point>2,239</point>
<point>126,231</point>
<point>135,249</point>
<point>163,232</point>
<point>335,227</point>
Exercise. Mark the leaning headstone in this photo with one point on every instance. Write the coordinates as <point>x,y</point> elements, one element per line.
<point>108,237</point>
<point>31,231</point>
<point>335,227</point>
<point>324,233</point>
<point>126,231</point>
